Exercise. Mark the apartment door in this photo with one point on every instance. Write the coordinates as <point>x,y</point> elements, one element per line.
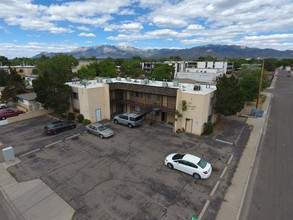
<point>164,117</point>
<point>188,125</point>
<point>98,114</point>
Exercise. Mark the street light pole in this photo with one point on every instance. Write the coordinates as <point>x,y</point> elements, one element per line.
<point>260,84</point>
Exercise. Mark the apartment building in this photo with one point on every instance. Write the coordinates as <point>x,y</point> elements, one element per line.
<point>22,70</point>
<point>181,106</point>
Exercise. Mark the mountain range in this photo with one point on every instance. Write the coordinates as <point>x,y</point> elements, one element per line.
<point>218,51</point>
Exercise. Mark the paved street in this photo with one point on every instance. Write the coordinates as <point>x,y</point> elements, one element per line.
<point>270,192</point>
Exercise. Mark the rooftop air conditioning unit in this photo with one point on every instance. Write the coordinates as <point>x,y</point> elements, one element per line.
<point>175,83</point>
<point>109,80</point>
<point>164,84</point>
<point>196,87</point>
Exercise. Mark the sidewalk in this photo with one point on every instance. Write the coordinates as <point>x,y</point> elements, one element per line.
<point>233,202</point>
<point>31,200</point>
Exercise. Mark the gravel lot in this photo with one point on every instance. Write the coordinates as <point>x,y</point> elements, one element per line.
<point>124,177</point>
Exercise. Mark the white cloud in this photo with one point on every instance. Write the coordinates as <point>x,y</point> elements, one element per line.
<point>83,34</point>
<point>126,27</point>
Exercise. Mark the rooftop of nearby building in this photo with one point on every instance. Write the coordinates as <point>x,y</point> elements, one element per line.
<point>186,87</point>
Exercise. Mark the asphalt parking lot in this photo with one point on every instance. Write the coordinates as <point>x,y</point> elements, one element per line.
<point>124,177</point>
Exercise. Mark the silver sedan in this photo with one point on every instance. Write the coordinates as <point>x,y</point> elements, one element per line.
<point>100,130</point>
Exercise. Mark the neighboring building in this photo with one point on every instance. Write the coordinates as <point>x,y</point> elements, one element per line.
<point>27,101</point>
<point>21,70</point>
<point>159,101</point>
<point>200,71</point>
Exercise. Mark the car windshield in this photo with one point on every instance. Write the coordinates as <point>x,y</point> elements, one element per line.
<point>202,163</point>
<point>102,128</point>
<point>178,156</point>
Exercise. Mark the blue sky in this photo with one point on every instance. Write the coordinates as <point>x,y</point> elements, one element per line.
<point>28,27</point>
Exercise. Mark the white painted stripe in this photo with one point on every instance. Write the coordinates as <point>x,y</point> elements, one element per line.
<point>30,152</point>
<point>230,160</point>
<point>48,145</point>
<point>206,205</point>
<point>215,188</point>
<point>226,142</point>
<point>223,173</point>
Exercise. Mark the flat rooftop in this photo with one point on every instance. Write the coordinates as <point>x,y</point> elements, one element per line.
<point>186,87</point>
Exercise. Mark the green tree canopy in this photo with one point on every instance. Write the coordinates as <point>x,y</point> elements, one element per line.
<point>249,84</point>
<point>15,85</point>
<point>85,72</point>
<point>131,68</point>
<point>50,85</point>
<point>107,68</point>
<point>4,61</point>
<point>229,96</point>
<point>163,72</point>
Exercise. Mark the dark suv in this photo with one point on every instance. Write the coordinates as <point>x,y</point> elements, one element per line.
<point>129,119</point>
<point>59,126</point>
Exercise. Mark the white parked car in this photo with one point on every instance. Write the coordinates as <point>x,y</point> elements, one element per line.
<point>190,164</point>
<point>100,130</point>
<point>3,105</point>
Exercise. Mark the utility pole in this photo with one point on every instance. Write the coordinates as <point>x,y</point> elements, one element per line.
<point>260,84</point>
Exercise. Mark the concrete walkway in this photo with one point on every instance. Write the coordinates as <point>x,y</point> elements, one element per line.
<point>31,200</point>
<point>232,204</point>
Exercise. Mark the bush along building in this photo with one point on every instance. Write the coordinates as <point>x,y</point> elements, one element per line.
<point>182,106</point>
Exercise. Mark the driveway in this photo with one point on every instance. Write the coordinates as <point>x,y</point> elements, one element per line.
<point>124,177</point>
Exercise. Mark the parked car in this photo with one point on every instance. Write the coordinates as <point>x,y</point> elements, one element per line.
<point>100,130</point>
<point>190,164</point>
<point>59,126</point>
<point>3,105</point>
<point>7,113</point>
<point>129,119</point>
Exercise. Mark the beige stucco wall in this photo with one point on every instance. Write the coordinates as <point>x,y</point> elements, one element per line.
<point>198,108</point>
<point>91,99</point>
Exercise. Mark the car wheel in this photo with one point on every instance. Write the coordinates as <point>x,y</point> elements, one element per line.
<point>3,118</point>
<point>196,176</point>
<point>73,126</point>
<point>101,136</point>
<point>55,132</point>
<point>169,165</point>
<point>130,125</point>
<point>116,121</point>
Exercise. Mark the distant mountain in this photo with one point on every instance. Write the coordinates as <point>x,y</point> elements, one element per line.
<point>219,51</point>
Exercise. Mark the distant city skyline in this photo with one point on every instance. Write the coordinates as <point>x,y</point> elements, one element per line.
<point>28,27</point>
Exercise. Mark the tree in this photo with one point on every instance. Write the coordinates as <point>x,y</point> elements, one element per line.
<point>229,96</point>
<point>15,86</point>
<point>107,68</point>
<point>249,85</point>
<point>3,77</point>
<point>131,68</point>
<point>85,72</point>
<point>50,85</point>
<point>4,61</point>
<point>163,72</point>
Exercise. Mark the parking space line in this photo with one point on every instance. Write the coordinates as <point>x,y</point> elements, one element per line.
<point>48,145</point>
<point>30,152</point>
<point>73,136</point>
<point>206,205</point>
<point>215,188</point>
<point>226,142</point>
<point>223,173</point>
<point>230,160</point>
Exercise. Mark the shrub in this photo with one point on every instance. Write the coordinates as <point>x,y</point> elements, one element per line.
<point>86,122</point>
<point>208,128</point>
<point>70,116</point>
<point>80,118</point>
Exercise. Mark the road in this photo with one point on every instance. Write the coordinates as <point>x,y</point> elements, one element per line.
<point>269,195</point>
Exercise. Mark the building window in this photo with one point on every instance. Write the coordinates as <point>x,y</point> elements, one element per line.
<point>75,110</point>
<point>136,109</point>
<point>137,94</point>
<point>74,95</point>
<point>154,97</point>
